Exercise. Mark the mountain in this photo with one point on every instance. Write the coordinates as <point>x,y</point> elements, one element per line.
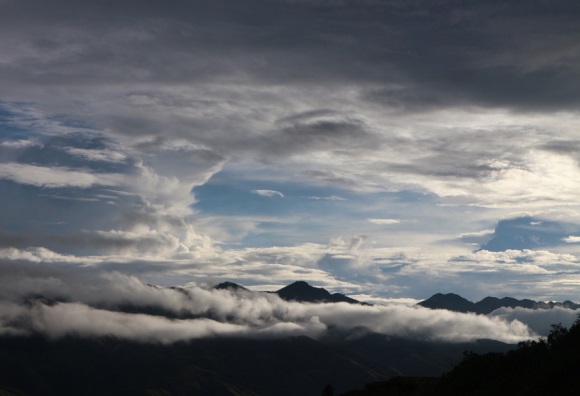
<point>220,366</point>
<point>548,366</point>
<point>229,286</point>
<point>450,301</point>
<point>456,303</point>
<point>299,291</point>
<point>400,386</point>
<point>303,292</point>
<point>490,304</point>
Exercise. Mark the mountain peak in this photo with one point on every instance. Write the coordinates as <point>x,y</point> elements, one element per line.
<point>304,292</point>
<point>229,286</point>
<point>298,291</point>
<point>449,301</point>
<point>454,302</point>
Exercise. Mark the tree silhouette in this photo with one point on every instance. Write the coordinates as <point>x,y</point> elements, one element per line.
<point>328,390</point>
<point>557,333</point>
<point>545,366</point>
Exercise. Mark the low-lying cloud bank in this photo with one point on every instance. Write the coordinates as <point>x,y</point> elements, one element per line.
<point>91,303</point>
<point>538,320</point>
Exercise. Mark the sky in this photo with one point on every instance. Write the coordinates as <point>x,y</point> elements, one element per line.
<point>388,150</point>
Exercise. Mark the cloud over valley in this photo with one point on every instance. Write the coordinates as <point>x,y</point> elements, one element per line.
<point>59,303</point>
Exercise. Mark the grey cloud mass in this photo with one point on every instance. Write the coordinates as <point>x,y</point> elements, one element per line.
<point>486,53</point>
<point>265,56</point>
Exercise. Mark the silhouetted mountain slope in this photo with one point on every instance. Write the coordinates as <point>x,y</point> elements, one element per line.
<point>490,304</point>
<point>105,366</point>
<point>399,386</point>
<point>303,292</point>
<point>545,367</point>
<point>218,366</point>
<point>454,302</point>
<point>403,356</point>
<point>299,291</point>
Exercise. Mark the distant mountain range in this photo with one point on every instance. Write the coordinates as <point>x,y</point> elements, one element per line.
<point>456,303</point>
<point>300,291</point>
<point>303,292</point>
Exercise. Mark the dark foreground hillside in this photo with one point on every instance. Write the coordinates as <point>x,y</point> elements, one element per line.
<point>543,367</point>
<point>218,366</point>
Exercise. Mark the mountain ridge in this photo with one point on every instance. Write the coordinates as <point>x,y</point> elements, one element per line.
<point>303,292</point>
<point>456,303</point>
<point>300,291</point>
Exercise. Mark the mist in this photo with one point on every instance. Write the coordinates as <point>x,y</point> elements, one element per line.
<point>88,302</point>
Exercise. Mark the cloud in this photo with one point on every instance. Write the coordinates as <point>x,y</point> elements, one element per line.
<point>417,322</point>
<point>529,233</point>
<point>477,238</point>
<point>194,312</point>
<point>328,198</point>
<point>571,239</point>
<point>485,59</point>
<point>121,200</point>
<point>77,319</point>
<point>477,234</point>
<point>385,301</point>
<point>384,221</point>
<point>269,193</point>
<point>19,144</point>
<point>539,320</point>
<point>54,177</point>
<point>310,103</point>
<point>97,155</point>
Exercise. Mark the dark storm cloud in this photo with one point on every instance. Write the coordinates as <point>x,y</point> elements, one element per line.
<point>316,131</point>
<point>569,147</point>
<point>236,80</point>
<point>410,55</point>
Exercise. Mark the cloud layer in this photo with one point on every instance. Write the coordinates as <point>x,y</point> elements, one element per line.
<point>69,306</point>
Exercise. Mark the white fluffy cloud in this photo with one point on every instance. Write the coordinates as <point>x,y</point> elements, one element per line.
<point>54,177</point>
<point>241,313</point>
<point>328,198</point>
<point>72,318</point>
<point>97,155</point>
<point>269,193</point>
<point>572,239</point>
<point>384,221</point>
